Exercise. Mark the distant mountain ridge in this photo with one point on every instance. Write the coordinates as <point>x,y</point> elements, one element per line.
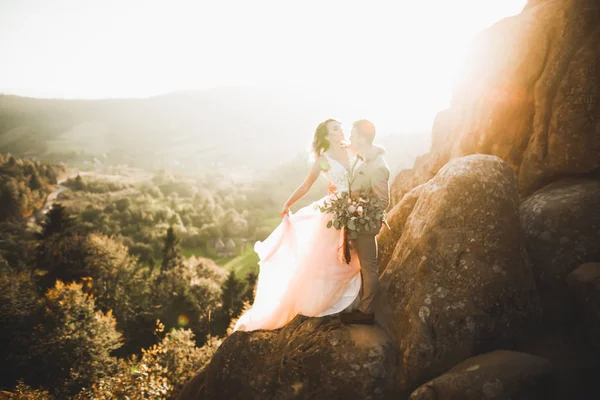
<point>239,127</point>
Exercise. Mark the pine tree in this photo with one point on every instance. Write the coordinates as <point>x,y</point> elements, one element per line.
<point>58,221</point>
<point>232,301</point>
<point>35,183</point>
<point>51,175</point>
<point>251,279</point>
<point>10,200</point>
<point>79,184</point>
<point>171,251</point>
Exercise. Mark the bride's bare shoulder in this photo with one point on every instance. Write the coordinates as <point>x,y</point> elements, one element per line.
<point>321,163</point>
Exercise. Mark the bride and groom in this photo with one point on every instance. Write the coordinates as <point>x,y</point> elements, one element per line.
<point>302,266</point>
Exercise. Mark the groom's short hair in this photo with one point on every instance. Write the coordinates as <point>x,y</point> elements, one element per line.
<point>366,129</point>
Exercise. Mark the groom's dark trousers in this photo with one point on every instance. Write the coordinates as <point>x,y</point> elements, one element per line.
<point>366,248</point>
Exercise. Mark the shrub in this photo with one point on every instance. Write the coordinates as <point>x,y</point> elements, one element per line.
<point>159,373</point>
<point>18,311</point>
<point>183,301</point>
<point>122,204</point>
<point>73,343</point>
<point>121,285</point>
<point>25,392</point>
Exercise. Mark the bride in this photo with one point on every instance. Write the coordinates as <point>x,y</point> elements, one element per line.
<point>302,268</point>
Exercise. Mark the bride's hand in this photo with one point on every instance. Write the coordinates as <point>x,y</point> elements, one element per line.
<point>285,211</point>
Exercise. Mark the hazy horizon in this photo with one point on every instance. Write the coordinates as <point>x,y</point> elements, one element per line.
<point>376,62</point>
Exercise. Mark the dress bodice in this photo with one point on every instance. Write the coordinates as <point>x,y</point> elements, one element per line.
<point>337,175</point>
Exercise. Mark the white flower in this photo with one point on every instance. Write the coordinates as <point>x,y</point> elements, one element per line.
<point>359,210</point>
<point>351,208</point>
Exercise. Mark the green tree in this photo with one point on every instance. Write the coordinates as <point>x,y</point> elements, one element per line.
<point>251,279</point>
<point>10,200</point>
<point>232,302</point>
<point>73,343</point>
<point>79,184</point>
<point>171,251</point>
<point>63,257</point>
<point>58,221</point>
<point>18,315</point>
<point>161,371</point>
<point>35,182</point>
<point>234,225</point>
<point>17,245</point>
<point>119,284</point>
<point>184,300</point>
<point>122,204</point>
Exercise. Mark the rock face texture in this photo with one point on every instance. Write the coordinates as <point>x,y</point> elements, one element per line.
<point>458,282</point>
<point>396,220</point>
<point>310,358</point>
<point>488,232</point>
<point>530,95</point>
<point>561,223</point>
<point>497,375</point>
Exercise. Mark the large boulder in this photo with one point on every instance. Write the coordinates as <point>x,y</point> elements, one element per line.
<point>458,282</point>
<point>530,94</point>
<point>309,358</point>
<point>396,218</point>
<point>561,223</point>
<point>576,366</point>
<point>500,374</point>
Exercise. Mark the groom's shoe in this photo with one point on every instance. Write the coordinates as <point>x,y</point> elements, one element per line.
<point>357,317</point>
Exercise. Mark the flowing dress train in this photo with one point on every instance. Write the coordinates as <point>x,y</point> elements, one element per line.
<point>302,270</point>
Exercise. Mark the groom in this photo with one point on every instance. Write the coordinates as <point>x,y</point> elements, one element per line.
<point>370,172</point>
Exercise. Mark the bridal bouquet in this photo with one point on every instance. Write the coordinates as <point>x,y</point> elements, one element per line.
<point>354,214</point>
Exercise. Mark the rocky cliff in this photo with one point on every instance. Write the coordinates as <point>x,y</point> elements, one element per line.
<point>483,294</point>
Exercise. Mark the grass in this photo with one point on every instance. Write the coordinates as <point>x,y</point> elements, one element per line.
<point>272,222</point>
<point>245,263</point>
<point>194,251</point>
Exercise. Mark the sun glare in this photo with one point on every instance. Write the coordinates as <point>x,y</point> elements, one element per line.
<point>379,60</point>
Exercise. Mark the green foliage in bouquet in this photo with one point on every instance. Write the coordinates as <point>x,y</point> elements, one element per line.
<point>355,213</point>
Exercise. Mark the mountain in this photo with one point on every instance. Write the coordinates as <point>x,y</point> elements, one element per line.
<point>242,128</point>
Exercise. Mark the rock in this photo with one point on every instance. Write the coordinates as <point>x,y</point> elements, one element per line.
<point>458,282</point>
<point>396,218</point>
<point>587,274</point>
<point>576,366</point>
<point>585,282</point>
<point>530,95</point>
<point>427,164</point>
<point>401,184</point>
<point>309,358</point>
<point>561,223</point>
<point>500,374</point>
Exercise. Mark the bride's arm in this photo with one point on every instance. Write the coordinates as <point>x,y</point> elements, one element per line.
<point>301,191</point>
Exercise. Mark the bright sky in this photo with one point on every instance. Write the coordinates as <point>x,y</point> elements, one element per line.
<point>379,58</point>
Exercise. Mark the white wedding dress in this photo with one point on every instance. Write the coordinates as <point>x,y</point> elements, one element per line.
<point>302,268</point>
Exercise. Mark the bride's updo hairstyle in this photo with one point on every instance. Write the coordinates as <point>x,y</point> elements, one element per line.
<point>320,143</point>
